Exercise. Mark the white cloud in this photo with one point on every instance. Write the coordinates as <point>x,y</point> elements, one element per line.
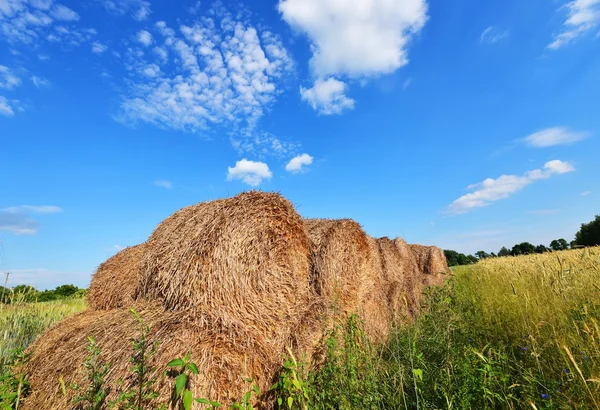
<point>44,209</point>
<point>222,72</point>
<point>586,193</point>
<point>5,107</point>
<point>583,16</point>
<point>250,172</point>
<point>17,219</point>
<point>8,80</point>
<point>492,35</point>
<point>362,38</point>
<point>162,183</point>
<point>144,37</point>
<point>60,12</point>
<point>98,48</point>
<point>491,190</point>
<point>554,136</point>
<point>138,9</point>
<point>39,81</point>
<point>356,40</point>
<point>327,96</point>
<point>296,164</point>
<point>34,21</point>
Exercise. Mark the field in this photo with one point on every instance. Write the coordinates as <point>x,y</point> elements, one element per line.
<point>512,332</point>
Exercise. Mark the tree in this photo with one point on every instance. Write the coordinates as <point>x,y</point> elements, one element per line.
<point>589,234</point>
<point>524,248</point>
<point>559,245</point>
<point>451,257</point>
<point>541,249</point>
<point>65,291</point>
<point>482,255</point>
<point>504,251</point>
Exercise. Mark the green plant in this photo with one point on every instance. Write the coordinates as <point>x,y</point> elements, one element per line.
<point>142,391</point>
<point>92,396</point>
<point>290,388</point>
<point>182,396</point>
<point>246,402</point>
<point>14,385</point>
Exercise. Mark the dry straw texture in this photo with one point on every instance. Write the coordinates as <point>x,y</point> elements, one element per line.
<point>431,262</point>
<point>243,262</point>
<point>223,362</point>
<point>115,282</point>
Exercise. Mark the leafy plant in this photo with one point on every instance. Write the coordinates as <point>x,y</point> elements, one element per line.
<point>142,391</point>
<point>92,396</point>
<point>182,396</point>
<point>290,388</point>
<point>14,385</point>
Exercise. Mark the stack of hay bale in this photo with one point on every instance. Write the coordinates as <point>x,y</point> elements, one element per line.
<point>236,282</point>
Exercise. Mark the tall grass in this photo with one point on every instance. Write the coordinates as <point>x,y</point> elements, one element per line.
<point>21,323</point>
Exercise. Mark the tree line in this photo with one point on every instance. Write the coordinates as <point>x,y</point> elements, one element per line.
<point>27,293</point>
<point>588,235</point>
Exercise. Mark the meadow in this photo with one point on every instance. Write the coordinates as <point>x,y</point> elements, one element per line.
<point>506,333</point>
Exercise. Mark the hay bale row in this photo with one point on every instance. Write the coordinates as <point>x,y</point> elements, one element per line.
<point>236,281</point>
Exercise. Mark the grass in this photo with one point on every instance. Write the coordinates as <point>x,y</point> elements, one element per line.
<point>506,333</point>
<point>22,323</point>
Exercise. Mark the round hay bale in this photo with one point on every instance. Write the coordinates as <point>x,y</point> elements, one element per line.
<point>400,272</point>
<point>339,256</point>
<point>432,263</point>
<point>375,306</point>
<point>115,282</point>
<point>243,260</point>
<point>224,363</point>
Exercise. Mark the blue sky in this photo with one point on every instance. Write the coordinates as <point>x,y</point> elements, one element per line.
<point>468,125</point>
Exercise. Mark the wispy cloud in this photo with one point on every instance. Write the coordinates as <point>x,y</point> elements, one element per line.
<point>219,71</point>
<point>348,42</point>
<point>406,83</point>
<point>327,96</point>
<point>163,183</point>
<point>586,193</point>
<point>18,220</point>
<point>583,16</point>
<point>35,21</point>
<point>554,136</point>
<point>263,144</point>
<point>491,190</point>
<point>6,107</point>
<point>98,48</point>
<point>8,79</point>
<point>44,209</point>
<point>39,81</point>
<point>250,172</point>
<point>298,163</point>
<point>139,10</point>
<point>493,35</point>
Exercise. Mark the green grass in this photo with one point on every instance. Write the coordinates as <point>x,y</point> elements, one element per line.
<point>22,323</point>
